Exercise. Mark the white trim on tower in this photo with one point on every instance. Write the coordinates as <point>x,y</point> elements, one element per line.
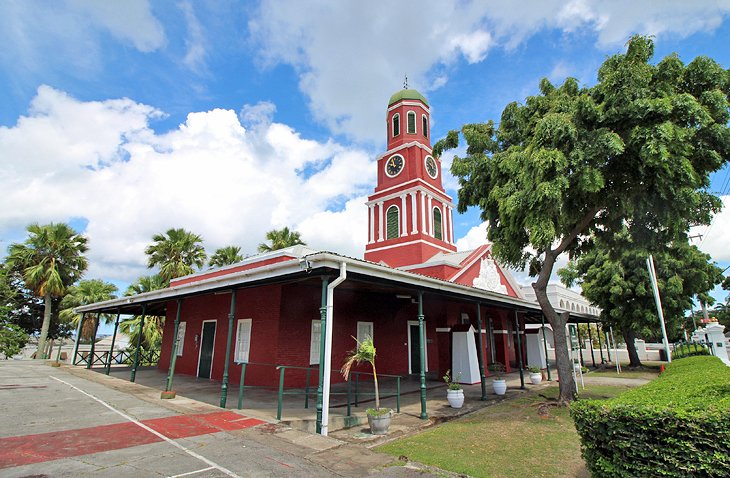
<point>404,216</point>
<point>371,237</point>
<point>414,210</point>
<point>380,225</point>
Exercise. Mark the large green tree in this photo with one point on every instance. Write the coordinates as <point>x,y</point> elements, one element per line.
<point>51,259</point>
<point>281,238</point>
<point>574,161</point>
<point>176,253</point>
<point>615,278</point>
<point>225,256</point>
<point>84,293</point>
<point>152,331</point>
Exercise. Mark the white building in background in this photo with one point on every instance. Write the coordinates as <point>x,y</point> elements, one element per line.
<point>564,299</point>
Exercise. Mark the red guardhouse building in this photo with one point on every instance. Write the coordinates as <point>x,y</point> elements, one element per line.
<point>428,307</point>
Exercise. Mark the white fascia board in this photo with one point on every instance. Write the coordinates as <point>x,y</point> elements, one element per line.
<point>406,190</point>
<point>326,259</point>
<point>219,282</point>
<point>409,103</point>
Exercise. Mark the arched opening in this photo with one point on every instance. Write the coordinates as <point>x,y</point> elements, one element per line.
<point>392,223</point>
<point>437,233</point>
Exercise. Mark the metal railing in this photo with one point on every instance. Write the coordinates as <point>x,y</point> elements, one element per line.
<point>686,349</point>
<point>353,394</point>
<point>100,357</point>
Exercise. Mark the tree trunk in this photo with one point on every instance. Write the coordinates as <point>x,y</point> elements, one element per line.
<point>629,336</point>
<point>558,323</point>
<point>41,351</point>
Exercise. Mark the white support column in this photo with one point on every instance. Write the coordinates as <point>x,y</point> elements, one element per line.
<point>424,229</point>
<point>380,225</point>
<point>445,222</point>
<point>450,222</point>
<point>404,216</point>
<point>429,214</point>
<point>371,236</point>
<point>414,210</point>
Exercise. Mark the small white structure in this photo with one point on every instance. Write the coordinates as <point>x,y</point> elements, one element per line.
<point>713,333</point>
<point>464,360</point>
<point>536,345</point>
<point>564,299</point>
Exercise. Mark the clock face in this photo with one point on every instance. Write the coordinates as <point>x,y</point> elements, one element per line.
<point>394,165</point>
<point>431,167</point>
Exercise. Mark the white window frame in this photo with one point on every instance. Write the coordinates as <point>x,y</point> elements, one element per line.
<point>392,122</point>
<point>397,232</point>
<point>433,222</point>
<point>314,342</point>
<point>425,344</point>
<point>180,338</point>
<point>241,356</point>
<point>362,325</point>
<point>415,122</point>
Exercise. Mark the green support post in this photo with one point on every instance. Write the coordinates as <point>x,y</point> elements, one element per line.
<point>58,355</point>
<point>544,343</point>
<point>397,394</point>
<point>600,344</point>
<point>90,360</point>
<point>480,355</point>
<point>490,334</point>
<point>111,349</point>
<point>306,388</point>
<point>281,393</point>
<point>173,353</point>
<point>139,344</point>
<point>78,339</point>
<point>580,342</point>
<point>519,350</point>
<point>229,339</point>
<point>422,341</point>
<point>322,325</point>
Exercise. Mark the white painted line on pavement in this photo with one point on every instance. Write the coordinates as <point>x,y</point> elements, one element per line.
<point>154,432</point>
<point>191,472</point>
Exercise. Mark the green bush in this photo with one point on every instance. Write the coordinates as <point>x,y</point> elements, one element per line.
<point>675,426</point>
<point>689,350</point>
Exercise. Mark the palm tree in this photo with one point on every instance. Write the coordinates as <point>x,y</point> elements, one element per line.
<point>226,256</point>
<point>152,333</point>
<point>176,253</point>
<point>86,292</point>
<point>281,238</point>
<point>50,259</point>
<point>363,352</point>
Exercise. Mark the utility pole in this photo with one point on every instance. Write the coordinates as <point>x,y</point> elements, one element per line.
<point>657,299</point>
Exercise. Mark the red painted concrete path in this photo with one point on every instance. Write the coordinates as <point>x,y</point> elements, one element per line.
<point>24,450</point>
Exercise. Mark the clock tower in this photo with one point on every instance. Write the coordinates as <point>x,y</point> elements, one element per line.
<point>409,214</point>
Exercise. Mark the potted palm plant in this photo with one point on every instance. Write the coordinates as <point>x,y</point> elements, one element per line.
<point>454,394</point>
<point>535,374</point>
<point>378,418</point>
<point>499,385</point>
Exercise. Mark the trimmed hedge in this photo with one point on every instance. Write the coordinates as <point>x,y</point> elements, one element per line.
<point>675,426</point>
<point>689,350</point>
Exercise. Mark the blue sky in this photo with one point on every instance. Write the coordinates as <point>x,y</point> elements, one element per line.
<point>232,118</point>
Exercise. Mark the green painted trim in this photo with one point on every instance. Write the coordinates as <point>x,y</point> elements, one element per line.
<point>229,339</point>
<point>480,354</point>
<point>544,343</point>
<point>78,338</point>
<point>422,357</point>
<point>133,375</point>
<point>111,348</point>
<point>173,357</point>
<point>519,350</point>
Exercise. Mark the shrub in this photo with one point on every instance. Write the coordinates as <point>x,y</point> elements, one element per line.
<point>675,426</point>
<point>689,350</point>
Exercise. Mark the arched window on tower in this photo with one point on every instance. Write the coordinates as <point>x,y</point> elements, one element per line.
<point>396,124</point>
<point>392,223</point>
<point>411,122</point>
<point>437,223</point>
<point>424,120</point>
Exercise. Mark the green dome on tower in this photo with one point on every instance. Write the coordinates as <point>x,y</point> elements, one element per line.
<point>407,95</point>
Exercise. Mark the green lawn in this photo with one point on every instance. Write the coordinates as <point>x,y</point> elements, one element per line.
<point>517,438</point>
<point>648,371</point>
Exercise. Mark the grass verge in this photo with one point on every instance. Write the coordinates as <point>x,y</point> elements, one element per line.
<point>524,437</point>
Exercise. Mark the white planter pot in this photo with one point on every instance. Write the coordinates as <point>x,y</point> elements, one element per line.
<point>455,398</point>
<point>535,378</point>
<point>499,386</point>
<point>380,424</point>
